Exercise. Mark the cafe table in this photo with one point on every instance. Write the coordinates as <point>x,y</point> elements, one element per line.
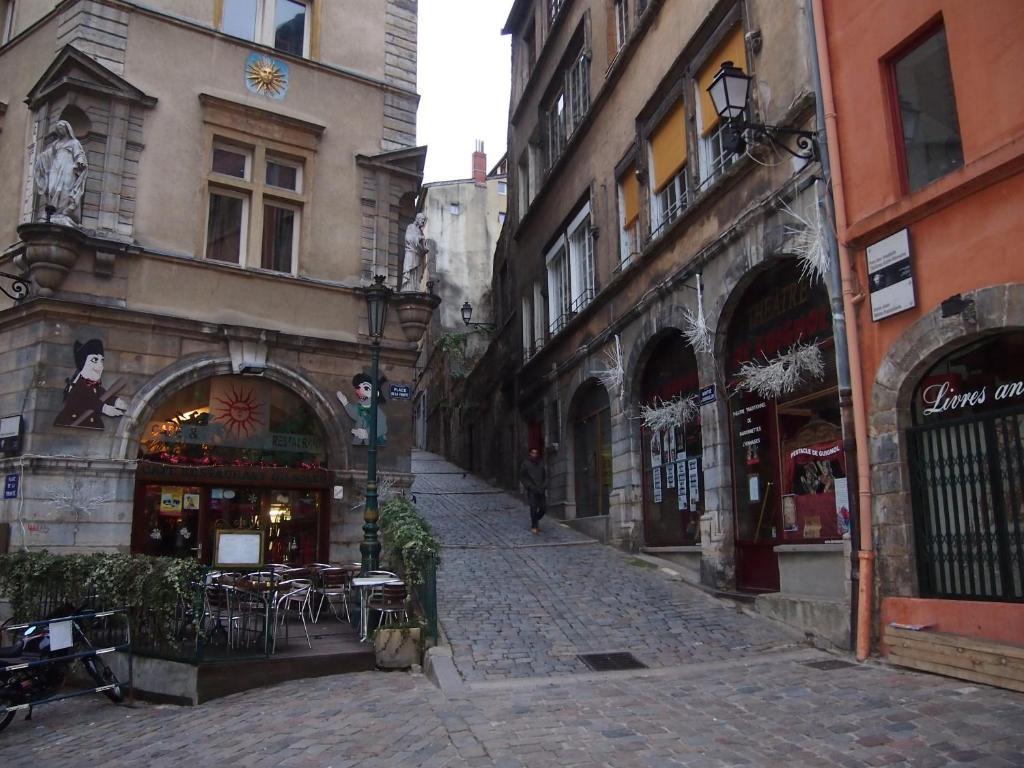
<point>365,584</point>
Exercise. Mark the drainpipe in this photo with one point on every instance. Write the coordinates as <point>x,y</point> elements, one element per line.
<point>854,395</point>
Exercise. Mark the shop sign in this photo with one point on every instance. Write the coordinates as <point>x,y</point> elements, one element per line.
<point>707,394</point>
<point>11,486</point>
<point>944,397</point>
<point>10,434</point>
<point>890,280</point>
<point>280,476</point>
<point>400,391</point>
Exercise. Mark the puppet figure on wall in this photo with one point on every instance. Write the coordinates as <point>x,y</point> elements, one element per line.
<point>359,411</point>
<point>86,401</point>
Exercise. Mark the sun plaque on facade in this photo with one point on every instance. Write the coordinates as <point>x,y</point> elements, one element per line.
<point>266,76</point>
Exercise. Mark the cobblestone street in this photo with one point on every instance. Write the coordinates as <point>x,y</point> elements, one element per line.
<point>722,688</point>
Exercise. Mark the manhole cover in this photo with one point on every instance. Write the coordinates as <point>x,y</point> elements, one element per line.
<point>829,664</point>
<point>611,662</point>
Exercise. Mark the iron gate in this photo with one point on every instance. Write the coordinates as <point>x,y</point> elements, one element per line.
<point>967,485</point>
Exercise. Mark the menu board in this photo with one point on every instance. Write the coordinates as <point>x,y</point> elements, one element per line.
<point>233,549</point>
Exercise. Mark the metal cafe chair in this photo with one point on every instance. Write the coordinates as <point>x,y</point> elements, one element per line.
<point>293,595</point>
<point>391,601</point>
<point>333,583</point>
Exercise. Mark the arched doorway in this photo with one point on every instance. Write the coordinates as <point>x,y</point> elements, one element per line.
<point>592,450</point>
<point>673,484</point>
<point>789,470</point>
<point>966,461</point>
<point>232,452</point>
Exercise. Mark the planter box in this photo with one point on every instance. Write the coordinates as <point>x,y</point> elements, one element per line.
<point>397,648</point>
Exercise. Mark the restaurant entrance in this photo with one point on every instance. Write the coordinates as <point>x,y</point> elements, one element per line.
<point>232,453</point>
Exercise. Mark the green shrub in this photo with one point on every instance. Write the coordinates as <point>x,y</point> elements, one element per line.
<point>149,587</point>
<point>407,539</point>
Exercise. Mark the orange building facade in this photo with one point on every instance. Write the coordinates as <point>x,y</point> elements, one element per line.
<point>927,151</point>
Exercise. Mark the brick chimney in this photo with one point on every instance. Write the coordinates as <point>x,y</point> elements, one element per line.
<point>479,165</point>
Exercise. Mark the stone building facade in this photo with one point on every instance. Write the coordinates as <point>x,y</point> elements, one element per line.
<point>250,168</point>
<point>629,219</point>
<point>928,169</point>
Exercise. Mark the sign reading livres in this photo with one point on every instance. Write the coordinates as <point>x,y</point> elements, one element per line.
<point>890,280</point>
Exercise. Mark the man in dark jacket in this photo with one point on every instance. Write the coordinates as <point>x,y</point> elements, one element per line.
<point>534,479</point>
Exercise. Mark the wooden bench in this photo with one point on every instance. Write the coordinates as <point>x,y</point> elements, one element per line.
<point>967,658</point>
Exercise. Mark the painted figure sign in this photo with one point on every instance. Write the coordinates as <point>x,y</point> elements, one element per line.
<point>86,400</point>
<point>359,411</point>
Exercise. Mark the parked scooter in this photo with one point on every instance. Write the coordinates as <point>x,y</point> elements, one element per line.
<point>34,669</point>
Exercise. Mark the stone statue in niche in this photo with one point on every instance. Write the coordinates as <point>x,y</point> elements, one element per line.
<point>60,172</point>
<point>86,400</point>
<point>414,274</point>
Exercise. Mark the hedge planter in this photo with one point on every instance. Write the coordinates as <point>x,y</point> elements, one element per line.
<point>397,647</point>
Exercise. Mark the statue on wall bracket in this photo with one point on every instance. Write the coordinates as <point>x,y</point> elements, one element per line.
<point>414,267</point>
<point>60,172</point>
<point>359,411</point>
<point>86,400</point>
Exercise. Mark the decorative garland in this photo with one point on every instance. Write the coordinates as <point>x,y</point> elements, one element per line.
<point>673,413</point>
<point>696,329</point>
<point>783,374</point>
<point>614,373</point>
<point>808,244</point>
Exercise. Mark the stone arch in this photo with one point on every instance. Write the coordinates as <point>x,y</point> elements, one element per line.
<point>192,369</point>
<point>995,309</point>
<point>668,318</point>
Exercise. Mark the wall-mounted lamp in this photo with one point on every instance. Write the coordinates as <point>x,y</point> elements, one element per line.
<point>730,93</point>
<point>467,316</point>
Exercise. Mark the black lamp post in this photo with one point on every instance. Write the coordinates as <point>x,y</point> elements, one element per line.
<point>467,315</point>
<point>730,92</point>
<point>377,296</point>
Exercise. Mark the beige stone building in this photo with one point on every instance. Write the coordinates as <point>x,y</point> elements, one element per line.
<point>651,262</point>
<point>175,366</point>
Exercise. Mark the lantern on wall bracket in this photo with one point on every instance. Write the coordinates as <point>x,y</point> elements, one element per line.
<point>467,316</point>
<point>730,93</point>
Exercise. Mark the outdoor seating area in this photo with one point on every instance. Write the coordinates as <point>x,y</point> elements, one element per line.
<point>281,607</point>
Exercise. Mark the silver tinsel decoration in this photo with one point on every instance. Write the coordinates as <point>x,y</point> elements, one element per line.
<point>614,373</point>
<point>673,413</point>
<point>783,374</point>
<point>808,243</point>
<point>696,328</point>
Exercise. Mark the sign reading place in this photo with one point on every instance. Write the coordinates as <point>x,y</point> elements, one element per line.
<point>890,280</point>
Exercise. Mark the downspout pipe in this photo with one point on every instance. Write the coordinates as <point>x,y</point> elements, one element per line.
<point>845,318</point>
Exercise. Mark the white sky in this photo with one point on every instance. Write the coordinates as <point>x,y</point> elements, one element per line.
<point>463,80</point>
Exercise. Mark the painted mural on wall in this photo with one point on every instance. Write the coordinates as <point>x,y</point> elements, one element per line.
<point>86,400</point>
<point>359,411</point>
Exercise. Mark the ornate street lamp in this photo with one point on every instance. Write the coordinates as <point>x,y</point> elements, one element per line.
<point>377,297</point>
<point>730,92</point>
<point>467,315</point>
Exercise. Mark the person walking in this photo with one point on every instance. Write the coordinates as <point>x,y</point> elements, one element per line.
<point>534,479</point>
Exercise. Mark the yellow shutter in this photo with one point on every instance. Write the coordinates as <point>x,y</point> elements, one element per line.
<point>630,196</point>
<point>668,146</point>
<point>731,49</point>
<point>612,35</point>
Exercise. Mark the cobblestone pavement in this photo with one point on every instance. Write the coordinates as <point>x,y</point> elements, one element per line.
<point>515,605</point>
<point>724,689</point>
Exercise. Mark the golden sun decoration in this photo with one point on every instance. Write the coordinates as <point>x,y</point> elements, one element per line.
<point>265,77</point>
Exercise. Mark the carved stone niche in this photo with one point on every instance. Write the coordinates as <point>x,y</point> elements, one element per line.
<point>106,113</point>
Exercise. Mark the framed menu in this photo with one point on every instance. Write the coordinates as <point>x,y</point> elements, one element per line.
<point>238,549</point>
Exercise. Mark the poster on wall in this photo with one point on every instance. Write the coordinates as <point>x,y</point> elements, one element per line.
<point>842,505</point>
<point>670,475</point>
<point>190,502</point>
<point>890,278</point>
<point>682,496</point>
<point>789,520</point>
<point>693,466</point>
<point>656,475</point>
<point>170,501</point>
<point>656,449</point>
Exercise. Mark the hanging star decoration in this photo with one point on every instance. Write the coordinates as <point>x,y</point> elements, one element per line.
<point>266,76</point>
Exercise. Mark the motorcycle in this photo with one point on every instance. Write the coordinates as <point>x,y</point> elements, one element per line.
<point>33,670</point>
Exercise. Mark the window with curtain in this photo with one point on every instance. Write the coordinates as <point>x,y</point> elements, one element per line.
<point>668,177</point>
<point>713,158</point>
